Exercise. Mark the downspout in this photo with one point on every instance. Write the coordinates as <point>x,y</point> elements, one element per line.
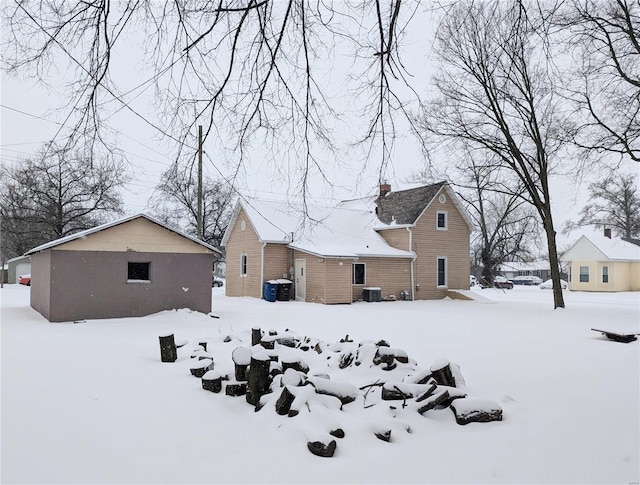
<point>264,244</point>
<point>413,286</point>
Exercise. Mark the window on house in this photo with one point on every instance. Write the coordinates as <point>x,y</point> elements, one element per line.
<point>442,220</point>
<point>243,265</point>
<point>605,274</point>
<point>358,276</point>
<point>584,274</point>
<point>442,271</point>
<point>138,271</point>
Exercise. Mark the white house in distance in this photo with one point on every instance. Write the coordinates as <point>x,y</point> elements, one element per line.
<point>597,262</point>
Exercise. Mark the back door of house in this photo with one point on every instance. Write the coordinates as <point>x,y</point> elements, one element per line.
<point>301,279</point>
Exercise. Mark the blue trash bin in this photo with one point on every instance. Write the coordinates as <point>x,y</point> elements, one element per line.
<point>270,291</point>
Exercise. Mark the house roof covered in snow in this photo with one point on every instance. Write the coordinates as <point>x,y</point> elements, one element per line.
<point>326,231</point>
<point>348,229</point>
<point>93,230</point>
<point>594,246</point>
<point>538,265</point>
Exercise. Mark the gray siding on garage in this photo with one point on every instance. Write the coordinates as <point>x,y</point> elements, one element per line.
<point>93,284</point>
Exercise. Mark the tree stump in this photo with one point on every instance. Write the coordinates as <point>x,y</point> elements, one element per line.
<point>319,448</point>
<point>256,336</point>
<point>168,350</point>
<point>283,404</point>
<point>201,367</point>
<point>212,381</point>
<point>204,345</point>
<point>384,435</point>
<point>295,364</point>
<point>241,357</point>
<point>337,433</point>
<point>441,372</point>
<point>236,389</point>
<point>258,377</point>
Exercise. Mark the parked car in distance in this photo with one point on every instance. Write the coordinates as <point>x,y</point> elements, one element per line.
<point>502,282</point>
<point>526,280</point>
<point>473,281</point>
<point>548,285</point>
<point>25,279</point>
<point>217,281</point>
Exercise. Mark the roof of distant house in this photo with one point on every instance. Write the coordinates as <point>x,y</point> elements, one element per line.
<point>611,248</point>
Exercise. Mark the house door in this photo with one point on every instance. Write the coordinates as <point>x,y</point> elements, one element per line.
<point>301,279</point>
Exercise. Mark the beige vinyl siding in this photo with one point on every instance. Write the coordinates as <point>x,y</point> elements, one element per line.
<point>277,261</point>
<point>391,275</point>
<point>315,277</point>
<point>139,235</point>
<point>243,242</point>
<point>397,238</point>
<point>338,281</point>
<point>634,279</point>
<point>623,276</point>
<point>430,243</point>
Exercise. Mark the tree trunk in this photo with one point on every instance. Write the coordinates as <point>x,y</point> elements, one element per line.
<point>558,299</point>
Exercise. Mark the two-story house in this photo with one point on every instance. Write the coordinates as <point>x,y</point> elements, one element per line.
<point>411,242</point>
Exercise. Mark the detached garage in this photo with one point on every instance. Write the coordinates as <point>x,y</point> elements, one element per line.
<point>132,267</point>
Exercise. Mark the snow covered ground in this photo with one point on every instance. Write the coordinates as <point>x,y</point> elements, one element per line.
<point>92,403</point>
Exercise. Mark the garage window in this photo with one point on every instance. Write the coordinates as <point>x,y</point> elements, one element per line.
<point>138,272</point>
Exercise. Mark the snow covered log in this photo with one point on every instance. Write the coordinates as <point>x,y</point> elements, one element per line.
<point>319,448</point>
<point>284,402</point>
<point>203,345</point>
<point>241,357</point>
<point>430,402</point>
<point>212,381</point>
<point>392,391</point>
<point>295,363</point>
<point>168,350</point>
<point>344,391</point>
<point>442,373</point>
<point>256,336</point>
<point>473,410</point>
<point>235,389</point>
<point>384,435</point>
<point>258,379</point>
<point>201,367</point>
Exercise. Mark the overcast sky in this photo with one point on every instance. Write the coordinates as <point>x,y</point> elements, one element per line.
<point>29,119</point>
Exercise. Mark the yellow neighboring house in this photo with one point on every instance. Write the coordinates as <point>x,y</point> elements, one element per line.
<point>597,262</point>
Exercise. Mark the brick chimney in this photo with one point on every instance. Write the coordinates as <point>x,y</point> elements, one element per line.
<point>385,188</point>
<point>607,232</point>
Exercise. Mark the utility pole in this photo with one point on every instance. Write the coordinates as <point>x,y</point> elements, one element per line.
<point>200,225</point>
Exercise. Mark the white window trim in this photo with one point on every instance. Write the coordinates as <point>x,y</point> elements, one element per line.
<point>244,265</point>
<point>352,274</point>
<point>446,271</point>
<point>446,221</point>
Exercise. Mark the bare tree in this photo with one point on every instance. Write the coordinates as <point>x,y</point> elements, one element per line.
<point>495,95</point>
<point>506,225</point>
<point>615,203</point>
<point>251,71</point>
<point>55,195</point>
<point>175,203</point>
<point>604,40</point>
